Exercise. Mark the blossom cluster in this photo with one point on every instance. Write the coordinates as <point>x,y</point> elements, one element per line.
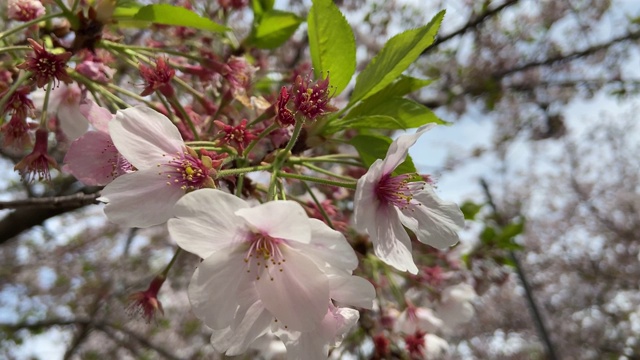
<point>272,264</point>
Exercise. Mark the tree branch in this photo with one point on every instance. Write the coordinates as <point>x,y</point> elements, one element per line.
<point>471,24</point>
<point>75,200</point>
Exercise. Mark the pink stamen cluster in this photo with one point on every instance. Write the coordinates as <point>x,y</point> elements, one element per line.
<point>398,190</point>
<point>186,171</point>
<point>238,136</point>
<point>46,66</point>
<point>311,99</point>
<point>264,251</point>
<point>158,78</point>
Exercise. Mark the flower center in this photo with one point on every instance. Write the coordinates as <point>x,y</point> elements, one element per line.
<point>264,255</point>
<point>185,171</point>
<point>398,190</point>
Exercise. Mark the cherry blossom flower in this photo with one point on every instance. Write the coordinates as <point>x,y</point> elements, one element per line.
<point>38,161</point>
<point>25,10</point>
<point>46,66</point>
<point>158,78</point>
<point>384,203</point>
<point>64,101</point>
<point>93,158</point>
<point>311,99</point>
<point>284,116</point>
<point>238,136</point>
<point>415,318</point>
<point>19,103</point>
<point>166,169</point>
<point>455,306</point>
<point>16,132</point>
<point>286,269</point>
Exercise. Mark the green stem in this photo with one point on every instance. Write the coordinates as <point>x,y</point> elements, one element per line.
<point>43,118</point>
<point>319,205</point>
<point>262,135</point>
<point>327,172</point>
<point>229,172</point>
<point>13,89</point>
<point>189,89</point>
<point>165,272</point>
<point>348,185</point>
<point>29,23</point>
<point>14,48</point>
<point>110,44</point>
<point>277,163</point>
<point>132,95</point>
<point>174,101</point>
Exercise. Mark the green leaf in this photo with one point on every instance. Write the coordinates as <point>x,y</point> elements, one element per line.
<point>365,122</point>
<point>470,209</point>
<point>488,235</point>
<point>274,28</point>
<point>331,43</point>
<point>409,113</point>
<point>176,15</point>
<point>395,57</point>
<point>123,12</point>
<point>372,147</point>
<point>403,86</point>
<point>261,6</point>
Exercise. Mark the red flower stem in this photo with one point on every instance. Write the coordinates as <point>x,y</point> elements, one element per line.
<point>43,118</point>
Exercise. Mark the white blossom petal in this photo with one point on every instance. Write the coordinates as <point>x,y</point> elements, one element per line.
<point>329,249</point>
<point>140,199</point>
<point>279,219</point>
<point>353,291</point>
<point>72,122</point>
<point>391,242</point>
<point>298,296</point>
<point>214,287</point>
<point>206,222</point>
<point>437,221</point>
<point>144,136</point>
<point>399,148</point>
<point>366,200</point>
<point>254,324</point>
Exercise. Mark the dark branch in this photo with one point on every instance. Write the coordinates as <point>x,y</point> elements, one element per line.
<point>75,200</point>
<point>570,56</point>
<point>471,24</point>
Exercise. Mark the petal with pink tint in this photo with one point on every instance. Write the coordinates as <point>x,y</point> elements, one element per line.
<point>97,116</point>
<point>140,199</point>
<point>297,296</point>
<point>214,286</point>
<point>206,222</point>
<point>145,137</point>
<point>72,122</point>
<point>93,159</point>
<point>399,148</point>
<point>279,219</point>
